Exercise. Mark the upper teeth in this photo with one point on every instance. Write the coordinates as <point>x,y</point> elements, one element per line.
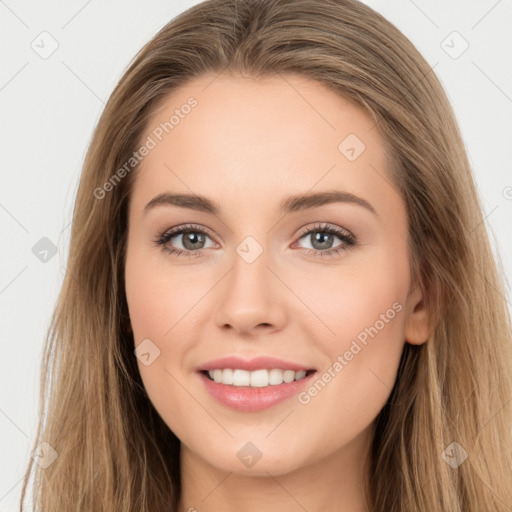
<point>257,378</point>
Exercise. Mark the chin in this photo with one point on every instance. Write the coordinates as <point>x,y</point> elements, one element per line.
<point>236,458</point>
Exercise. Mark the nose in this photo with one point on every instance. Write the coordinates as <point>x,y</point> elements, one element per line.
<point>251,299</point>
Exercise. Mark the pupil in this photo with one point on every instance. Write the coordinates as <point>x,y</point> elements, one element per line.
<point>319,236</point>
<point>191,238</point>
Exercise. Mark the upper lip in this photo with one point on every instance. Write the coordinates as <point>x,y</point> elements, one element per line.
<point>257,363</point>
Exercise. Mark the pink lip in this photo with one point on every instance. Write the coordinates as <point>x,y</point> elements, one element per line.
<point>253,399</point>
<point>258,363</point>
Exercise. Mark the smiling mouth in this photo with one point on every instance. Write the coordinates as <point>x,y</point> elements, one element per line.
<point>255,379</point>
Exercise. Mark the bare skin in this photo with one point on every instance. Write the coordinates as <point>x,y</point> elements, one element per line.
<point>248,145</point>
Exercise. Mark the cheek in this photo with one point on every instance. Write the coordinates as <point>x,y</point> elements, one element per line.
<point>366,312</point>
<point>158,296</point>
<point>161,303</point>
<point>363,300</point>
<point>154,309</point>
<point>367,308</point>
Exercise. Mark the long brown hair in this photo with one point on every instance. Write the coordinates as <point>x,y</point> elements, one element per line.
<point>114,451</point>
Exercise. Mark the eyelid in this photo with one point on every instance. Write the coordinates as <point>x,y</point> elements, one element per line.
<point>321,226</point>
<point>179,229</point>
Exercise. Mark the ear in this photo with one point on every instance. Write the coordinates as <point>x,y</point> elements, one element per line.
<point>417,326</point>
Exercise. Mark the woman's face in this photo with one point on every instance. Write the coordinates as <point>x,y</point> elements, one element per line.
<point>280,270</point>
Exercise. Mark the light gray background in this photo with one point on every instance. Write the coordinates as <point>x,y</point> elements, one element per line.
<point>50,107</point>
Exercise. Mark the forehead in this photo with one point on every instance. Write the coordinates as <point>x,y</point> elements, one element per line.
<point>245,140</point>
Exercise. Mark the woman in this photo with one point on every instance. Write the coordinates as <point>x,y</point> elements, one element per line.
<point>253,372</point>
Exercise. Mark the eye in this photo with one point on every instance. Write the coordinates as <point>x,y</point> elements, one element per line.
<point>321,237</point>
<point>192,240</point>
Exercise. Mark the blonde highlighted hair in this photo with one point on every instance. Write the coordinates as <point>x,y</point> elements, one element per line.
<point>114,451</point>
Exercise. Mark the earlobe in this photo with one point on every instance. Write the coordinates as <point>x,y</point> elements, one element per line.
<point>417,327</point>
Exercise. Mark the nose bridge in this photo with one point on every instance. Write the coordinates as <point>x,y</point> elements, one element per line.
<point>248,295</point>
<point>250,273</point>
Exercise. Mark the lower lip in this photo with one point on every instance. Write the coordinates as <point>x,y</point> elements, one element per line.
<point>253,399</point>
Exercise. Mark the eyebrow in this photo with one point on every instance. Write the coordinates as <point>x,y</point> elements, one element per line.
<point>291,204</point>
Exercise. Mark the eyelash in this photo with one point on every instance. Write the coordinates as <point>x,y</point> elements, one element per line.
<point>347,238</point>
